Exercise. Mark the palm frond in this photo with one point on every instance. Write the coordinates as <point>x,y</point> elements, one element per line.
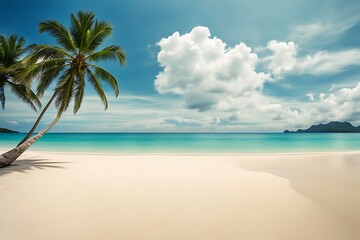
<point>112,52</point>
<point>98,33</point>
<point>7,54</point>
<point>64,91</point>
<point>70,66</point>
<point>46,78</point>
<point>12,49</point>
<point>75,30</point>
<point>26,95</point>
<point>6,70</point>
<point>20,68</point>
<point>107,77</point>
<point>11,67</point>
<point>36,69</point>
<point>34,98</point>
<point>81,24</point>
<point>44,51</point>
<point>78,92</point>
<point>19,46</point>
<point>59,32</point>
<point>97,86</point>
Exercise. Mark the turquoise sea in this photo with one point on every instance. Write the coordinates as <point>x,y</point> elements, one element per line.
<point>221,143</point>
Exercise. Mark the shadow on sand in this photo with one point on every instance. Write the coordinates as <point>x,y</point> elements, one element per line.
<point>27,165</point>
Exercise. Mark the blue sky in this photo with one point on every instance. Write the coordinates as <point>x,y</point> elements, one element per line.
<point>227,66</point>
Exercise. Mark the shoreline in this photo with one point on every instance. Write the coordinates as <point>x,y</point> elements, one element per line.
<point>310,153</point>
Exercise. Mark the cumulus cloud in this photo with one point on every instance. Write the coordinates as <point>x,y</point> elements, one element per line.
<point>225,83</point>
<point>342,105</point>
<point>349,94</point>
<point>284,57</point>
<point>205,71</point>
<point>222,80</point>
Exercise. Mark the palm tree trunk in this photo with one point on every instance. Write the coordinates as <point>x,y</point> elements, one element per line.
<point>38,119</point>
<point>2,97</point>
<point>10,156</point>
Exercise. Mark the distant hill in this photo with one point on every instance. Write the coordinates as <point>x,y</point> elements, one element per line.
<point>331,127</point>
<point>4,130</point>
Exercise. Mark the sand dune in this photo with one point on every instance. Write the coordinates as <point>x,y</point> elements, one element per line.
<point>77,196</point>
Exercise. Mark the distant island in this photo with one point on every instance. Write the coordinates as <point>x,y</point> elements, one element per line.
<point>5,130</point>
<point>331,127</point>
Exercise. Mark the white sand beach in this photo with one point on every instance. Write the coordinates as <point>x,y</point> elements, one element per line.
<point>57,196</point>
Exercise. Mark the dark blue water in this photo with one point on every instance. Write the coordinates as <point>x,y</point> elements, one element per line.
<point>190,142</point>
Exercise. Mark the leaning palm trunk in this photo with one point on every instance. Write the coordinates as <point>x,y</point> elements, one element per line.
<point>10,156</point>
<point>38,120</point>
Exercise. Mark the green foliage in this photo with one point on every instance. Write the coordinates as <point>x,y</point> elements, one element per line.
<point>12,68</point>
<point>72,63</point>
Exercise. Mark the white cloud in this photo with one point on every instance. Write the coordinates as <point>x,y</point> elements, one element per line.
<point>307,32</point>
<point>206,72</point>
<point>328,62</point>
<point>12,122</point>
<point>327,31</point>
<point>337,105</point>
<point>284,60</point>
<point>255,112</point>
<point>349,94</point>
<point>284,57</point>
<point>342,105</point>
<point>310,96</point>
<point>224,82</point>
<point>320,62</point>
<point>225,86</point>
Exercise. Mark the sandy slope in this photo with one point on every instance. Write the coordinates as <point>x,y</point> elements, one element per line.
<point>76,196</point>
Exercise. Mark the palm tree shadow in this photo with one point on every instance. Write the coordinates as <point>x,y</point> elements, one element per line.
<point>34,163</point>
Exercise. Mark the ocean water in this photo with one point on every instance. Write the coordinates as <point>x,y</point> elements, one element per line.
<point>213,143</point>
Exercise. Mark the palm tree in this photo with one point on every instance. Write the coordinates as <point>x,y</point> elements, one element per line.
<point>69,65</point>
<point>11,66</point>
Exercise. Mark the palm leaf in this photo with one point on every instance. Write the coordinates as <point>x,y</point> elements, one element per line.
<point>59,32</point>
<point>34,98</point>
<point>100,31</point>
<point>18,46</point>
<point>47,77</point>
<point>79,92</point>
<point>64,91</point>
<point>81,24</point>
<point>43,51</point>
<point>109,53</point>
<point>97,86</point>
<point>43,66</point>
<point>24,94</point>
<point>12,49</point>
<point>11,68</point>
<point>6,70</point>
<point>107,77</point>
